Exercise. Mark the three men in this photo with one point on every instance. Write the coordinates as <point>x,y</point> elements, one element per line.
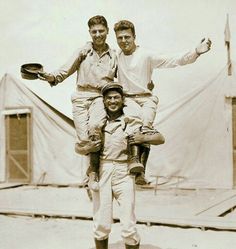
<point>95,65</point>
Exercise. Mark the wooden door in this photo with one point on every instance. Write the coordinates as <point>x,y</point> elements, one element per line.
<point>18,147</point>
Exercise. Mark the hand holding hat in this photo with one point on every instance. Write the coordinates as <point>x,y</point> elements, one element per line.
<point>30,71</point>
<point>46,77</point>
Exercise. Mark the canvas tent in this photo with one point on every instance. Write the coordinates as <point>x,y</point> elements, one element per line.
<point>37,141</point>
<point>199,136</point>
<point>197,127</point>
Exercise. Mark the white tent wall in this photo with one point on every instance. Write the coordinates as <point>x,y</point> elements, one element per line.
<point>198,132</point>
<point>197,128</point>
<point>53,137</point>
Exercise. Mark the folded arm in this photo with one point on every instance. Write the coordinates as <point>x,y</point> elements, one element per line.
<point>153,137</point>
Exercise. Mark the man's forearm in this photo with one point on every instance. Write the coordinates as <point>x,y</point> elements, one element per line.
<point>154,139</point>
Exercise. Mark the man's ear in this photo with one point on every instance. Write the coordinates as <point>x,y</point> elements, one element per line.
<point>107,30</point>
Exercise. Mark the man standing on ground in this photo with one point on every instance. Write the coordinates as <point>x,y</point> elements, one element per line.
<point>135,67</point>
<point>115,181</point>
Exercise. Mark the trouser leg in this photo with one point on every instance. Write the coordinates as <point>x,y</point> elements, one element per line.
<point>97,118</point>
<point>148,110</point>
<point>102,204</point>
<point>93,170</point>
<point>94,166</point>
<point>144,108</point>
<point>80,116</point>
<point>140,177</point>
<point>124,193</point>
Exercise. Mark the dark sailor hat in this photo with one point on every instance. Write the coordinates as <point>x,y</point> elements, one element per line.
<point>112,86</point>
<point>30,71</point>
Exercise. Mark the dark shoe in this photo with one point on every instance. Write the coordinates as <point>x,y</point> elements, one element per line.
<point>101,244</point>
<point>135,167</point>
<point>132,246</point>
<point>134,164</point>
<point>93,182</point>
<point>140,179</point>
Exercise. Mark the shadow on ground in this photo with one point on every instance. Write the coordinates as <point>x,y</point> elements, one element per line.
<point>120,245</point>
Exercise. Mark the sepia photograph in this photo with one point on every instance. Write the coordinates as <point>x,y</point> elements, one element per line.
<point>117,124</point>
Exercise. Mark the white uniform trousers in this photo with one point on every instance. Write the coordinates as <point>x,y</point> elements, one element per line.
<point>89,114</point>
<point>115,182</point>
<point>148,108</point>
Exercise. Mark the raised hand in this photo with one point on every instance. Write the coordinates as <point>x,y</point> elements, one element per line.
<point>204,46</point>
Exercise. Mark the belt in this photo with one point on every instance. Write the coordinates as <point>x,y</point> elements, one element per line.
<point>138,95</point>
<point>114,160</point>
<point>89,89</point>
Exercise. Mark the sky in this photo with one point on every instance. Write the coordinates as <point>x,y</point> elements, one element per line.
<point>49,31</point>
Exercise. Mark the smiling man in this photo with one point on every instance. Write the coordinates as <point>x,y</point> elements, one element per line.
<point>95,66</point>
<point>115,180</point>
<point>135,68</point>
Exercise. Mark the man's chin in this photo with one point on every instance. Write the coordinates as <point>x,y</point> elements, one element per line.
<point>112,110</point>
<point>126,51</point>
<point>99,43</point>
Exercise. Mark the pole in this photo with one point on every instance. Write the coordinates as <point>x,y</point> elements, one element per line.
<point>227,43</point>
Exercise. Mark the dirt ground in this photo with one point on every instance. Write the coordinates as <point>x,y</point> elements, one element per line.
<point>19,232</point>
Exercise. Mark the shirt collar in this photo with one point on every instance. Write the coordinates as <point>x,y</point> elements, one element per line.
<point>120,119</point>
<point>108,51</point>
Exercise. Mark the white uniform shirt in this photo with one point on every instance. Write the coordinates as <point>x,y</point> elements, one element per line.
<point>93,71</point>
<point>135,70</point>
<point>115,138</point>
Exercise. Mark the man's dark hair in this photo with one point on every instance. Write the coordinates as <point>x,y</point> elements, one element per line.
<point>97,20</point>
<point>123,25</point>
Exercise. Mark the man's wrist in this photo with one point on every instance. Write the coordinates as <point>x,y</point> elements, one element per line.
<point>198,54</point>
<point>51,79</point>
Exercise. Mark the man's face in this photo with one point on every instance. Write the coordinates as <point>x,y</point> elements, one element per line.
<point>126,41</point>
<point>98,33</point>
<point>113,101</point>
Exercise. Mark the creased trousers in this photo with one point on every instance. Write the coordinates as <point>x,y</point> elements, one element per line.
<point>115,183</point>
<point>89,114</point>
<point>148,108</point>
